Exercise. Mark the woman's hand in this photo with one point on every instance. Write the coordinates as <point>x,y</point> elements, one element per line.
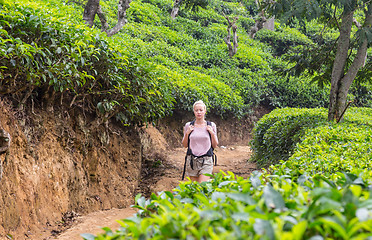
<point>185,139</point>
<point>213,136</point>
<point>210,130</point>
<point>190,129</point>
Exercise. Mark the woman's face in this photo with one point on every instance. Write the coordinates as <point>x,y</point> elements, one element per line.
<point>199,111</point>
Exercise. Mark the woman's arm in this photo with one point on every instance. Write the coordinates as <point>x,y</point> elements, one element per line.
<point>213,132</point>
<point>187,130</point>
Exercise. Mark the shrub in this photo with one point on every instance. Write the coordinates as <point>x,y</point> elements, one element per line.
<point>283,38</point>
<point>333,148</point>
<point>190,86</point>
<point>262,207</point>
<point>295,92</point>
<point>41,49</point>
<point>246,23</point>
<point>144,13</point>
<point>276,134</point>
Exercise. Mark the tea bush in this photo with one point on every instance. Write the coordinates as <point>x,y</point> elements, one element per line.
<point>333,148</point>
<point>276,134</point>
<point>295,92</point>
<point>58,50</point>
<point>190,86</point>
<point>41,49</point>
<point>262,207</point>
<point>144,13</point>
<point>283,38</point>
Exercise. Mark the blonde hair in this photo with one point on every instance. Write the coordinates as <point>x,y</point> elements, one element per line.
<point>201,103</point>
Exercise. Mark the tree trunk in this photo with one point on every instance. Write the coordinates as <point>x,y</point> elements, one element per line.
<point>339,64</point>
<point>90,11</point>
<point>341,82</point>
<point>102,18</point>
<point>92,8</point>
<point>233,49</point>
<point>122,20</point>
<point>259,24</point>
<point>176,8</point>
<point>269,24</point>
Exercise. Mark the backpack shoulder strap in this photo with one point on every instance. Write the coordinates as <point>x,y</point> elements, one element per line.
<point>214,157</point>
<point>192,123</point>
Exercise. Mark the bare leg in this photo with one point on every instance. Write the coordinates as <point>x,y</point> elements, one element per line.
<point>194,179</point>
<point>200,178</point>
<point>203,178</point>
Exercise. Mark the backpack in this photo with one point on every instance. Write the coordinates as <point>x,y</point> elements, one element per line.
<point>189,152</point>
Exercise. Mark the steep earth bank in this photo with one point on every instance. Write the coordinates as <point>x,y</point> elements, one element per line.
<point>61,164</point>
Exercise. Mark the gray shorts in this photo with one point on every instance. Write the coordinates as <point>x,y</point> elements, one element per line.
<point>202,165</point>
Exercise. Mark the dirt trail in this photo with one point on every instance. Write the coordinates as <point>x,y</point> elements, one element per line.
<point>162,175</point>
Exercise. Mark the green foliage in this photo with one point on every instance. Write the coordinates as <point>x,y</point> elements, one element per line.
<point>246,23</point>
<point>282,39</point>
<point>250,85</point>
<point>194,5</point>
<point>154,64</point>
<point>334,148</point>
<point>264,206</point>
<point>190,86</point>
<point>276,134</point>
<point>144,13</point>
<point>362,94</point>
<point>321,21</point>
<point>76,60</point>
<point>296,92</point>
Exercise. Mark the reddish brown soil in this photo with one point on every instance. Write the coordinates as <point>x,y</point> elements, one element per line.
<point>163,174</point>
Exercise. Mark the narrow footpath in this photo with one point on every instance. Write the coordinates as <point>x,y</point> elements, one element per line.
<point>164,176</point>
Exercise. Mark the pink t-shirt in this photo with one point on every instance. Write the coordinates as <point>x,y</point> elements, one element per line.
<point>200,141</point>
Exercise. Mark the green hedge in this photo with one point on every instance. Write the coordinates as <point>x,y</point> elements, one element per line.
<point>43,45</point>
<point>276,134</point>
<point>47,44</point>
<point>296,93</point>
<point>333,148</point>
<point>262,207</point>
<point>283,38</point>
<point>51,43</point>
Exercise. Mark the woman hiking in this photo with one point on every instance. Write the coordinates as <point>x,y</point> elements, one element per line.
<point>200,138</point>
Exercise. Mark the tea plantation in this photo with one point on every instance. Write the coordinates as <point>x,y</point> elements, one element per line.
<point>315,181</point>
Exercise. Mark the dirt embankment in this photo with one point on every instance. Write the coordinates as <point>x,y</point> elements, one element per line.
<point>61,165</point>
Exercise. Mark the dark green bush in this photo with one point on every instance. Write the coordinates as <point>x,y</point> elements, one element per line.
<point>295,92</point>
<point>40,49</point>
<point>246,23</point>
<point>331,148</point>
<point>276,134</point>
<point>56,49</point>
<point>282,39</point>
<point>361,94</point>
